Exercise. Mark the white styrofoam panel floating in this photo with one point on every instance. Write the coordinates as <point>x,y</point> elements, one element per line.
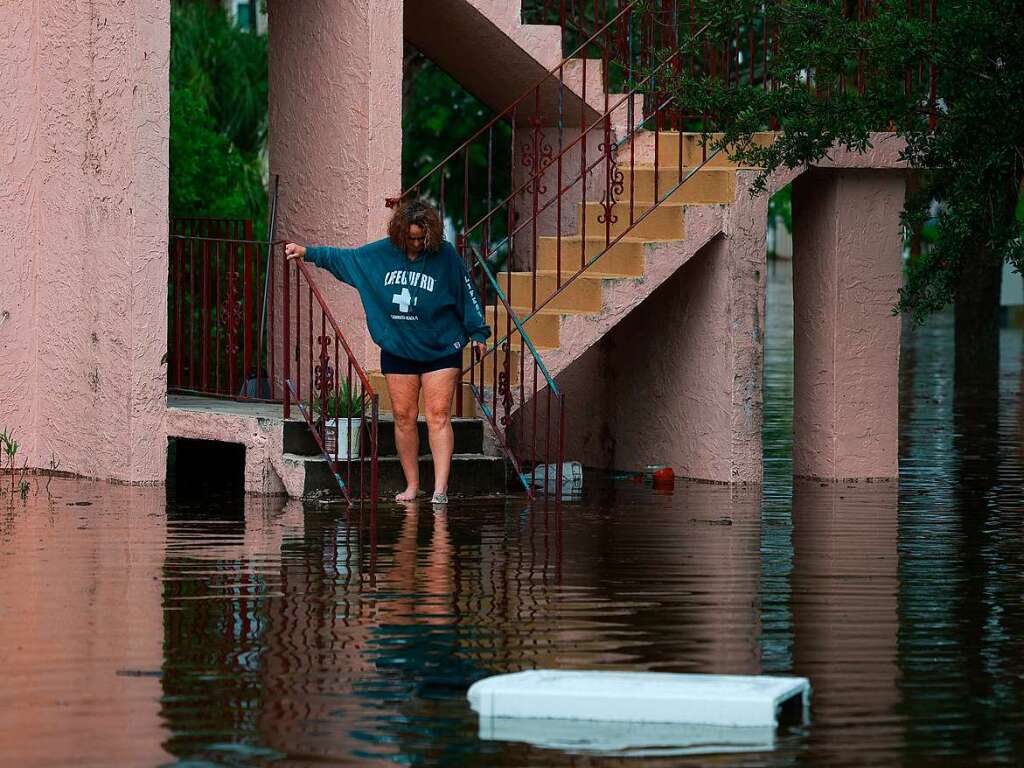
<point>641,697</point>
<point>628,739</point>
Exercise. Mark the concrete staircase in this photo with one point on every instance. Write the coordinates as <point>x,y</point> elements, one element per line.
<point>473,473</point>
<point>621,276</point>
<point>506,57</point>
<point>654,249</point>
<point>602,296</point>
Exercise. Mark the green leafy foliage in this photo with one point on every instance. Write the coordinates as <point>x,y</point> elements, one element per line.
<point>836,80</point>
<point>343,404</point>
<point>781,206</point>
<point>218,115</point>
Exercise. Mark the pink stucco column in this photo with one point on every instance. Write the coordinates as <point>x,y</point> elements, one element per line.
<point>335,138</point>
<point>83,234</point>
<point>846,276</point>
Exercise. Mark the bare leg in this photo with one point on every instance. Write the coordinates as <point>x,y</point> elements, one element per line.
<point>438,389</point>
<point>404,390</point>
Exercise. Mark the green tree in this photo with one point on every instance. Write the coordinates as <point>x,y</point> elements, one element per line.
<point>218,115</point>
<point>843,69</point>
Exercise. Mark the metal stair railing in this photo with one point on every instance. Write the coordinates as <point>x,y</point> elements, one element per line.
<point>504,216</point>
<point>556,103</point>
<point>216,311</point>
<point>504,383</point>
<point>323,378</point>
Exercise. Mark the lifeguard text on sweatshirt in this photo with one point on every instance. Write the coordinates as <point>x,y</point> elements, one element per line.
<point>419,309</point>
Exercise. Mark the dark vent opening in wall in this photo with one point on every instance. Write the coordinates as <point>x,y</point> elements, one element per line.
<point>205,468</point>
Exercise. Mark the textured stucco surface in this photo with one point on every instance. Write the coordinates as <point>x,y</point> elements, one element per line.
<point>480,44</point>
<point>83,222</point>
<point>846,276</point>
<point>542,41</point>
<point>679,340</point>
<point>687,336</point>
<point>336,131</point>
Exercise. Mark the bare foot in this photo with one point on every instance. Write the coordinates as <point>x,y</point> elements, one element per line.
<point>409,494</point>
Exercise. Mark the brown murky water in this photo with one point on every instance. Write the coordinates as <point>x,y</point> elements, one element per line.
<point>137,631</point>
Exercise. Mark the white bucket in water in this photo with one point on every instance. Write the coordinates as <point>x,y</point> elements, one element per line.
<point>545,477</point>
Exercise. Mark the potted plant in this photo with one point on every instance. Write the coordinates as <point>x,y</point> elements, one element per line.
<point>340,416</point>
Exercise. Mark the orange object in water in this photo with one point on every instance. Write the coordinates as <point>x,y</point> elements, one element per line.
<point>664,478</point>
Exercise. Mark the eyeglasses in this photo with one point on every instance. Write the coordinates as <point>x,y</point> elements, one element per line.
<point>416,239</point>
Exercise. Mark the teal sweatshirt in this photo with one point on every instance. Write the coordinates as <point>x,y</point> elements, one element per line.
<point>420,309</point>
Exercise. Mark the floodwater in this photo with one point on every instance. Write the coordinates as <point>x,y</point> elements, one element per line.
<point>140,631</point>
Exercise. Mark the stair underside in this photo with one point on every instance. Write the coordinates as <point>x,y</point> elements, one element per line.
<point>501,62</point>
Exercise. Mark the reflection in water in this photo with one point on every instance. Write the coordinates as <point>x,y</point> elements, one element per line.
<point>324,657</point>
<point>80,618</point>
<point>248,632</point>
<point>961,520</point>
<point>844,603</point>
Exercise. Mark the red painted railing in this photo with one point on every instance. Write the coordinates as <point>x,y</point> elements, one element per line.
<point>506,389</point>
<point>323,378</point>
<point>218,318</point>
<point>212,226</point>
<point>567,133</point>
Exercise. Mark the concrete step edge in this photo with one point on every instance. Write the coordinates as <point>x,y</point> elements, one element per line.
<point>627,238</point>
<point>592,274</point>
<point>463,457</point>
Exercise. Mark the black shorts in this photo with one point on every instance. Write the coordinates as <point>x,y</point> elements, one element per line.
<point>394,364</point>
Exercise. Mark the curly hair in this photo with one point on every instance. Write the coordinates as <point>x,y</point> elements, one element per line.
<point>421,214</point>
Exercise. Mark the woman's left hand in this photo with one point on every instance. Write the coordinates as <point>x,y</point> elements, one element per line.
<point>480,348</point>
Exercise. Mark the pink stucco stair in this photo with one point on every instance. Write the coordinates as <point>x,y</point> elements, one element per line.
<point>507,57</point>
<point>648,253</point>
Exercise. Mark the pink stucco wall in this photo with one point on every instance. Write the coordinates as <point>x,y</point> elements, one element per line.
<point>336,130</point>
<point>83,223</point>
<point>669,371</point>
<point>846,275</point>
<point>677,344</point>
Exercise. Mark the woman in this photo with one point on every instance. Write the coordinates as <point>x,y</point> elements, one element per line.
<point>421,309</point>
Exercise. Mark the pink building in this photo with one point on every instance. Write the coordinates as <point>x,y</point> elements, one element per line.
<point>655,347</point>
